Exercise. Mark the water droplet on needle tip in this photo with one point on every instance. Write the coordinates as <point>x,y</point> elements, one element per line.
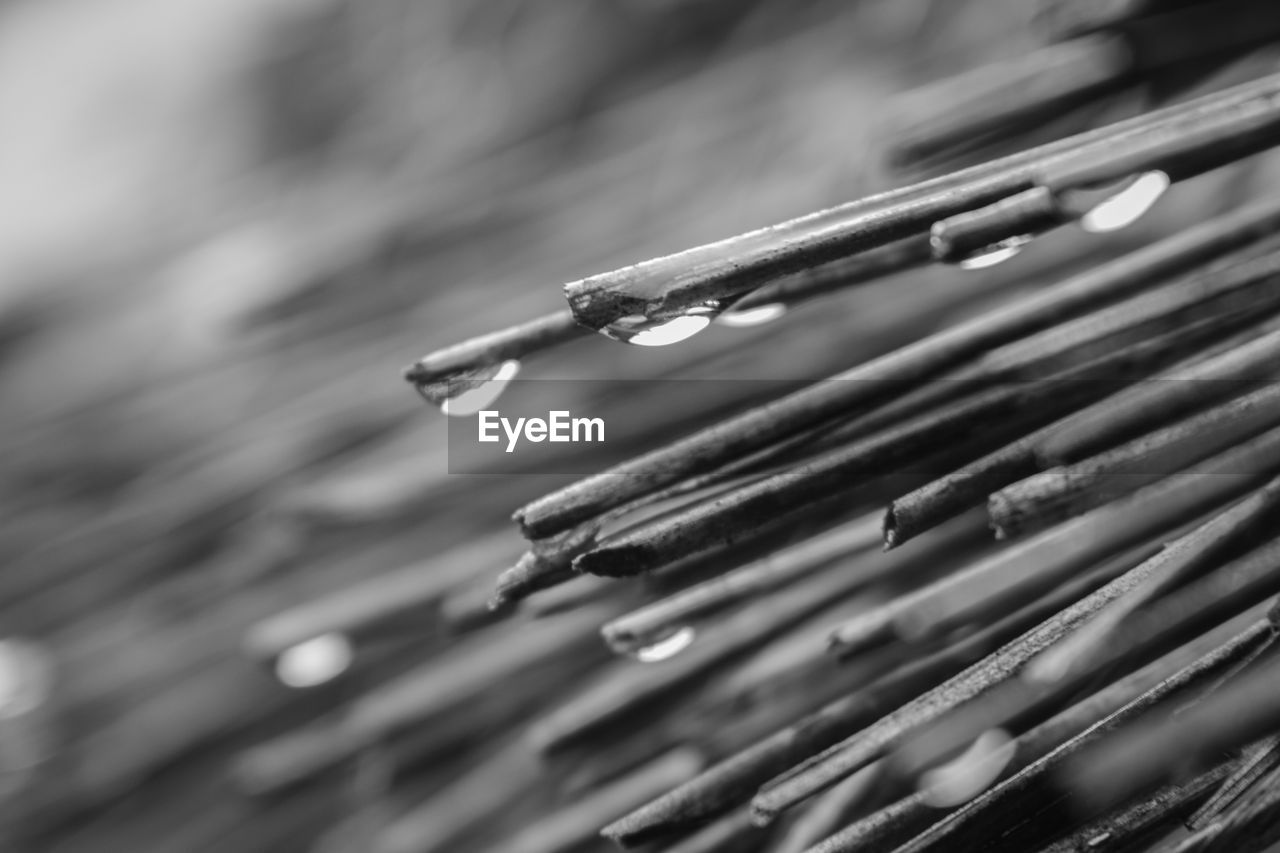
<point>668,647</point>
<point>757,316</point>
<point>642,331</point>
<point>315,661</point>
<point>996,253</point>
<point>659,334</point>
<point>473,399</point>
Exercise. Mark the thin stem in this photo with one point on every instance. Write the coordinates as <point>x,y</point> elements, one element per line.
<point>1139,822</point>
<point>514,342</point>
<point>1018,217</point>
<point>651,622</point>
<point>1066,491</point>
<point>1252,826</point>
<point>1234,288</point>
<point>1174,392</point>
<point>1181,153</point>
<point>544,565</point>
<point>1258,761</point>
<point>833,809</point>
<point>1191,553</point>
<point>908,253</point>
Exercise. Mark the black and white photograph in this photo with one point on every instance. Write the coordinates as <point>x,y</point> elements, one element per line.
<point>666,426</point>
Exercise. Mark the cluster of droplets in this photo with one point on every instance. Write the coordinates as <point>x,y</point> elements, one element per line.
<point>481,388</point>
<point>1125,205</point>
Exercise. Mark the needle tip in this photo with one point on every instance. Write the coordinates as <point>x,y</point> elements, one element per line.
<point>499,602</point>
<point>647,823</point>
<point>415,373</point>
<point>612,562</point>
<point>762,814</point>
<point>890,527</point>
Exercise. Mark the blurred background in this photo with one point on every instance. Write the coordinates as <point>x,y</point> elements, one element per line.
<point>227,225</point>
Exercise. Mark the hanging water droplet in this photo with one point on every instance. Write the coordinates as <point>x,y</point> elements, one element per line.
<point>668,647</point>
<point>1126,206</point>
<point>969,774</point>
<point>315,661</point>
<point>758,316</point>
<point>478,391</point>
<point>996,253</point>
<point>639,330</point>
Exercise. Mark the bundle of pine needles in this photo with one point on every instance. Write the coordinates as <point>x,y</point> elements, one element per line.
<point>1107,680</point>
<point>269,619</point>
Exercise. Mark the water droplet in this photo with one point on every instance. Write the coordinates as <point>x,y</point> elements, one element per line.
<point>996,253</point>
<point>1049,667</point>
<point>972,772</point>
<point>757,316</point>
<point>668,647</point>
<point>1126,206</point>
<point>480,392</point>
<point>315,661</point>
<point>639,330</point>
